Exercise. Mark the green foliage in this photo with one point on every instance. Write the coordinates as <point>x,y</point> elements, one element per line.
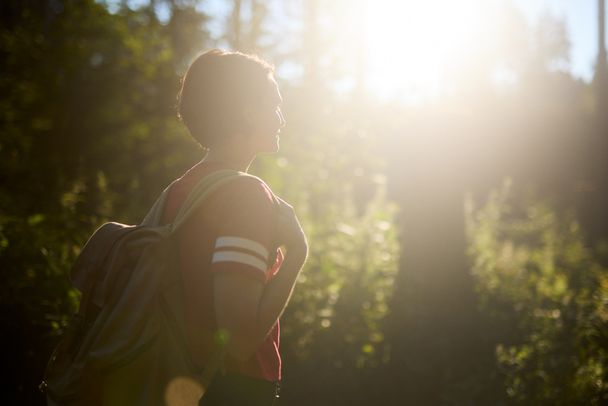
<point>343,293</point>
<point>329,168</point>
<point>547,295</point>
<point>88,132</point>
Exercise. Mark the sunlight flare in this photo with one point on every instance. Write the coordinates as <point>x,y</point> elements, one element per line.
<point>410,43</point>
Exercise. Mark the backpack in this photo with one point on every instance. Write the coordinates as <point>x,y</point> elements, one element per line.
<point>128,330</point>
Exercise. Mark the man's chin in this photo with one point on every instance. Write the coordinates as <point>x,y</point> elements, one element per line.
<point>276,145</point>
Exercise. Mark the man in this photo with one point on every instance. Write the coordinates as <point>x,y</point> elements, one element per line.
<point>229,251</point>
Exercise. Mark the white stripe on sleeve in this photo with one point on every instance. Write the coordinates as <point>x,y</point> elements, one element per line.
<point>243,243</point>
<point>239,257</point>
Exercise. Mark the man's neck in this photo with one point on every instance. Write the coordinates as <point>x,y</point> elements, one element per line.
<point>230,159</point>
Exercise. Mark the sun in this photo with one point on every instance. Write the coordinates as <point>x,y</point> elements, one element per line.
<point>410,43</point>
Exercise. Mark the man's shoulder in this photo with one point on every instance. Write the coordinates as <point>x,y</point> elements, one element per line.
<point>245,191</point>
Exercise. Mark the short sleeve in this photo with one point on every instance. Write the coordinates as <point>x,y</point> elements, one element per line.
<point>245,240</point>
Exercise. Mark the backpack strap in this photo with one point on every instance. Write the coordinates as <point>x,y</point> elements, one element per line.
<point>155,214</point>
<point>205,187</point>
<point>169,303</point>
<point>201,191</point>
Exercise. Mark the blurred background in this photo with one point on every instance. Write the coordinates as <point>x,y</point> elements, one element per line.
<point>447,159</point>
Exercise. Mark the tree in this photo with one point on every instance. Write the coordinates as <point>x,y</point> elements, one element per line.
<point>546,294</point>
<point>88,132</point>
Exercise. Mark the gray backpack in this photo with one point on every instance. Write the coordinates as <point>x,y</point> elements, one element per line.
<point>126,344</point>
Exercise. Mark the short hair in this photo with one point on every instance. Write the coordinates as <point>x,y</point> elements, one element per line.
<point>216,85</point>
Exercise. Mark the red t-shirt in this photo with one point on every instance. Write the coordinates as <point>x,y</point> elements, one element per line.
<point>232,231</point>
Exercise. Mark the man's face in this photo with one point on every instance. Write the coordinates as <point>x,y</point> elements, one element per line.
<point>266,121</point>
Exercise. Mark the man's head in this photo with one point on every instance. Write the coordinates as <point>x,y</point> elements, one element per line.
<point>225,94</point>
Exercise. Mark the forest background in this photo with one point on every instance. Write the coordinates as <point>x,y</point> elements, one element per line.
<point>459,243</point>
